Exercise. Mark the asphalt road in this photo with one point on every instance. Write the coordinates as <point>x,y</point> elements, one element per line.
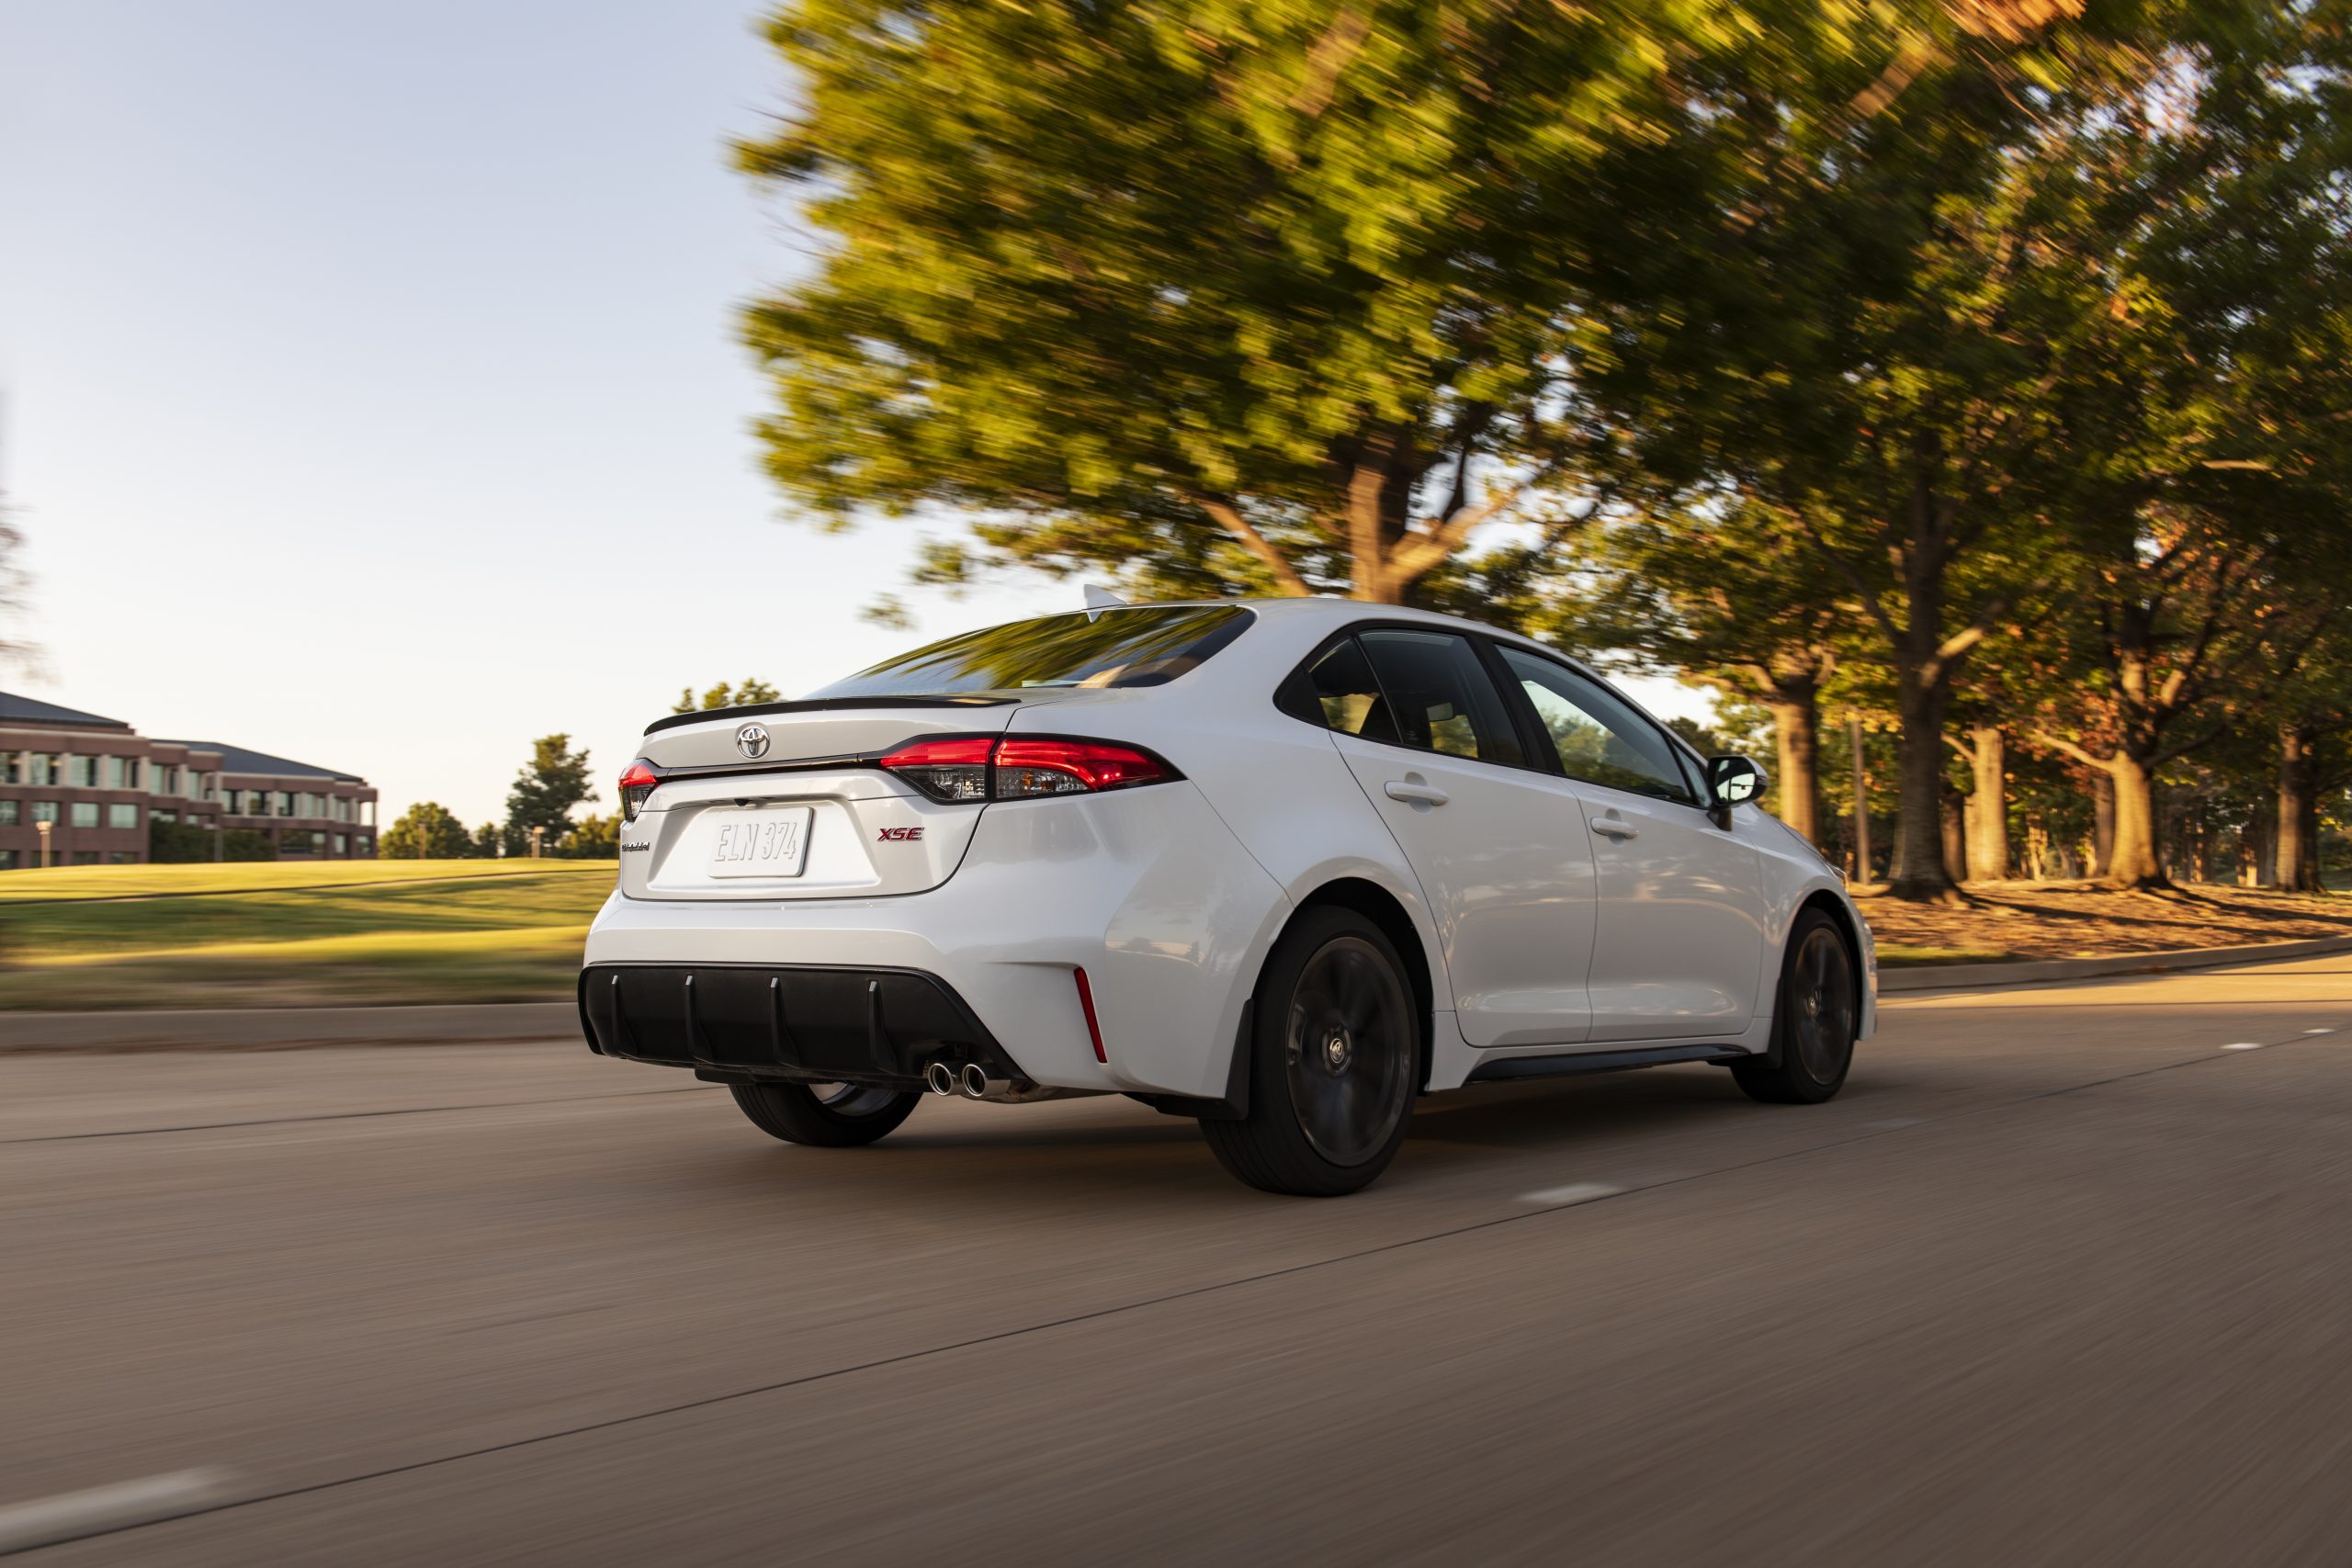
<point>2060,1278</point>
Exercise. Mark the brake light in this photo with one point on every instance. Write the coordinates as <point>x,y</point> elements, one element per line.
<point>1026,766</point>
<point>954,767</point>
<point>637,783</point>
<point>982,767</point>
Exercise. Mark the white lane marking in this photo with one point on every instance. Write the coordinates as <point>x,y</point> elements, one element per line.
<point>2244,1045</point>
<point>1575,1193</point>
<point>46,1521</point>
<point>1897,1123</point>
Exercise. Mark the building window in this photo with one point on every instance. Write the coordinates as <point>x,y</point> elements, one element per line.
<point>43,770</point>
<point>87,857</point>
<point>10,860</point>
<point>297,842</point>
<point>44,811</point>
<point>343,843</point>
<point>81,772</point>
<point>166,780</point>
<point>12,768</point>
<point>192,785</point>
<point>122,857</point>
<point>85,814</point>
<point>122,815</point>
<point>162,816</point>
<point>9,811</point>
<point>286,803</point>
<point>113,770</point>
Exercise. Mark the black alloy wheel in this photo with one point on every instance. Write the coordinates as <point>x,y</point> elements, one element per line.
<point>826,1115</point>
<point>1815,1023</point>
<point>1335,1062</point>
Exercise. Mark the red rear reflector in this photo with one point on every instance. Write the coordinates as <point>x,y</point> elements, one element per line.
<point>1086,1005</point>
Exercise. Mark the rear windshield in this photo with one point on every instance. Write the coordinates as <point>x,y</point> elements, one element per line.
<point>1145,646</point>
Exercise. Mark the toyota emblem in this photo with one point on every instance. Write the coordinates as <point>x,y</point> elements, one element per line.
<point>752,741</point>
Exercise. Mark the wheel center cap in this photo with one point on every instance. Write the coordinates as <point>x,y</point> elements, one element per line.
<point>1337,1047</point>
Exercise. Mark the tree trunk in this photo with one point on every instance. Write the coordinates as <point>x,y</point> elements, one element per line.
<point>2298,811</point>
<point>2132,857</point>
<point>1955,829</point>
<point>2102,823</point>
<point>1919,869</point>
<point>1796,729</point>
<point>1988,808</point>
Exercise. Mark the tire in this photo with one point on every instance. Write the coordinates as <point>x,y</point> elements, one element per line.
<point>827,1116</point>
<point>1814,1016</point>
<point>1335,1063</point>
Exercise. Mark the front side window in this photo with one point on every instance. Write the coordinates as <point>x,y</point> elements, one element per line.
<point>1600,739</point>
<point>1141,646</point>
<point>1439,695</point>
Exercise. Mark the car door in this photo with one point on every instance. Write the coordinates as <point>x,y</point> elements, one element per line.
<point>1499,848</point>
<point>1681,915</point>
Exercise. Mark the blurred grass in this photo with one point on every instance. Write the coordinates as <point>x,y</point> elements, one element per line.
<point>1896,956</point>
<point>264,935</point>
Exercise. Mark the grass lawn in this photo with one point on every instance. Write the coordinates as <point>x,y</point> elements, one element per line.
<point>318,933</point>
<point>2000,920</point>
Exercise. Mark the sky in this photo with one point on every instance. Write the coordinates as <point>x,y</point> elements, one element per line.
<point>369,387</point>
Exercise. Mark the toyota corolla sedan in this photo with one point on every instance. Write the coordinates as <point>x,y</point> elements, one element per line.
<point>1279,866</point>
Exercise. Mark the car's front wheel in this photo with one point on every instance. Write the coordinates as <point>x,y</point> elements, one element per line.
<point>1335,1063</point>
<point>1815,1022</point>
<point>832,1116</point>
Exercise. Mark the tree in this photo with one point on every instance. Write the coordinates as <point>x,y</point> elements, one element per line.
<point>545,791</point>
<point>425,831</point>
<point>724,696</point>
<point>596,838</point>
<point>1274,298</point>
<point>1733,606</point>
<point>490,841</point>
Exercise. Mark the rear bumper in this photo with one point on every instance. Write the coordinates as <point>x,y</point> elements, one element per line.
<point>809,1022</point>
<point>1144,889</point>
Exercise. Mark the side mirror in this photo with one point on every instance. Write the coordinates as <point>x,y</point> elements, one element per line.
<point>1734,781</point>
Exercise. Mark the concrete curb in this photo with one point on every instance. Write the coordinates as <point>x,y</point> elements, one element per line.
<point>270,1028</point>
<point>2044,971</point>
<point>265,1029</point>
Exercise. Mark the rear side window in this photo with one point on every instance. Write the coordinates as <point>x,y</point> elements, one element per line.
<point>1338,693</point>
<point>1438,698</point>
<point>1143,646</point>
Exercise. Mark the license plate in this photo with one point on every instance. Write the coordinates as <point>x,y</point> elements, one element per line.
<point>773,841</point>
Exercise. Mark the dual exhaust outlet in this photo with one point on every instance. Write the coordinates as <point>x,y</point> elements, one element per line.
<point>972,1082</point>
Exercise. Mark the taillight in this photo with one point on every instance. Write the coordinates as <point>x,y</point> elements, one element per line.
<point>954,768</point>
<point>980,767</point>
<point>636,784</point>
<point>1028,766</point>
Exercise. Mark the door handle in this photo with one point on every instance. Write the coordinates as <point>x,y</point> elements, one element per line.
<point>1608,827</point>
<point>1415,793</point>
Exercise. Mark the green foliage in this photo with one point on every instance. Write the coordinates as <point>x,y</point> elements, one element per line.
<point>488,840</point>
<point>545,791</point>
<point>596,838</point>
<point>177,844</point>
<point>247,844</point>
<point>427,830</point>
<point>724,696</point>
<point>1282,296</point>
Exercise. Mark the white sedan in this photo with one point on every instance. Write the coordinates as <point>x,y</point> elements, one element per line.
<point>1280,866</point>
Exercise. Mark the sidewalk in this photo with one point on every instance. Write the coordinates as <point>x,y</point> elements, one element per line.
<point>266,1029</point>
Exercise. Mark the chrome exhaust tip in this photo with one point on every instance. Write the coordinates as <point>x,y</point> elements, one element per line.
<point>940,1077</point>
<point>976,1084</point>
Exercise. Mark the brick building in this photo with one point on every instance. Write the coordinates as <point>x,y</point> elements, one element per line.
<point>99,784</point>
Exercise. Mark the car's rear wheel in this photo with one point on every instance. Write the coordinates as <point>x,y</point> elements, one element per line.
<point>1334,1065</point>
<point>831,1116</point>
<point>1814,1022</point>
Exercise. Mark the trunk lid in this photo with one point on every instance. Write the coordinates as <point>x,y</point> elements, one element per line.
<point>810,816</point>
